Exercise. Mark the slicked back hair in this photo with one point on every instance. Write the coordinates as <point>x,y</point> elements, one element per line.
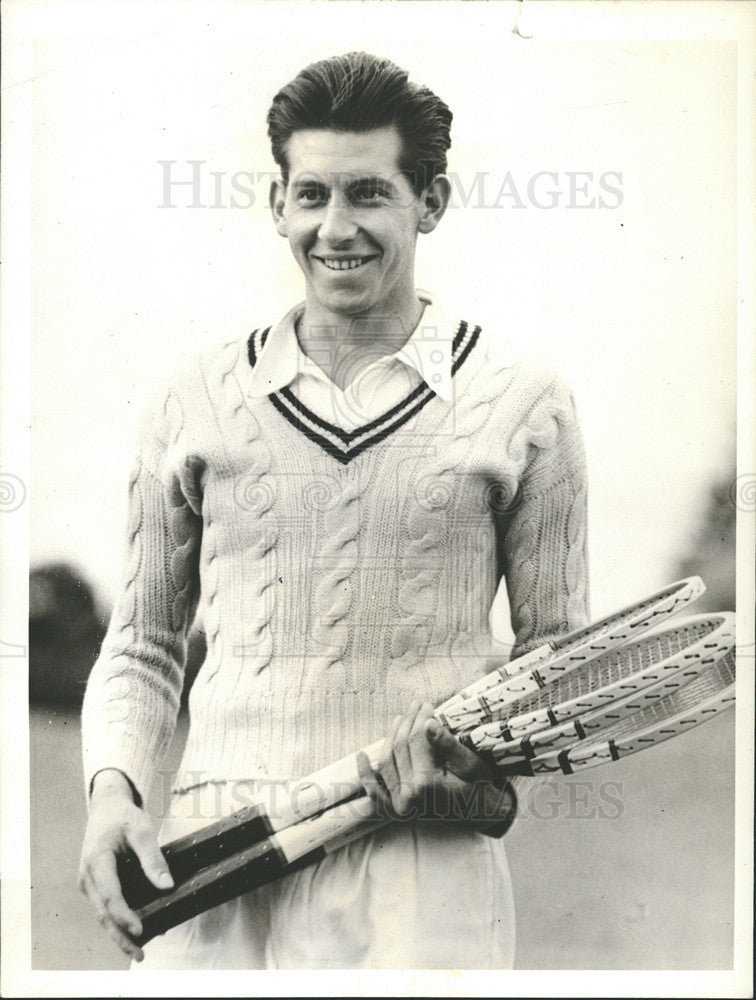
<point>359,92</point>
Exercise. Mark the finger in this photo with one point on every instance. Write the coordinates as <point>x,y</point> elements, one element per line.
<point>389,775</point>
<point>105,878</point>
<point>144,844</point>
<point>503,816</point>
<point>404,789</point>
<point>386,766</point>
<point>82,883</point>
<point>388,744</point>
<point>124,942</point>
<point>400,749</point>
<point>406,723</point>
<point>509,804</point>
<point>448,751</point>
<point>421,754</point>
<point>105,920</point>
<point>373,785</point>
<point>424,712</point>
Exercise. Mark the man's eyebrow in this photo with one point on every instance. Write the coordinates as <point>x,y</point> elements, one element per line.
<point>374,180</point>
<point>308,180</point>
<point>353,181</point>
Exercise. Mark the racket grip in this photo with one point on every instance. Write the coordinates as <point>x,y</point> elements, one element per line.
<point>218,884</point>
<point>187,855</point>
<point>211,844</point>
<point>302,844</point>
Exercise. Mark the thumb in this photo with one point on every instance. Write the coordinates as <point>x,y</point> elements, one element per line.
<point>145,846</point>
<point>446,747</point>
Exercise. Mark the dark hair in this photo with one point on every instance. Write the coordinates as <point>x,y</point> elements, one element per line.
<point>358,92</point>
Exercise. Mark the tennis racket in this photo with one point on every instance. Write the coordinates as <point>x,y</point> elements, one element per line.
<point>259,863</point>
<point>608,687</point>
<point>710,691</point>
<point>489,697</point>
<point>706,696</point>
<point>479,702</point>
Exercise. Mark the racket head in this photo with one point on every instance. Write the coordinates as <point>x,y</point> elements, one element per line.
<point>618,682</point>
<point>480,701</point>
<point>703,698</point>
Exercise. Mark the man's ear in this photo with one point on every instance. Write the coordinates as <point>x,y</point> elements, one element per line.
<point>434,201</point>
<point>276,199</point>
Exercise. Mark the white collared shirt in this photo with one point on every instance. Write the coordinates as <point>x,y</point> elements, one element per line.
<point>425,357</point>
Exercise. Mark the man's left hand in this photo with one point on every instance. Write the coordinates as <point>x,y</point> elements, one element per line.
<point>424,772</point>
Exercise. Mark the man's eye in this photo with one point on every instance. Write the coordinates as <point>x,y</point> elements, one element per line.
<point>310,196</point>
<point>366,195</point>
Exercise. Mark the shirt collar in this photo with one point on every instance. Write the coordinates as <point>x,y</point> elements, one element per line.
<point>428,351</point>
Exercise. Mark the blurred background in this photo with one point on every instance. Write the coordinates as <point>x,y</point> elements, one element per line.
<point>633,301</point>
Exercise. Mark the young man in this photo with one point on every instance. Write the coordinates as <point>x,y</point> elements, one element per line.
<point>346,488</point>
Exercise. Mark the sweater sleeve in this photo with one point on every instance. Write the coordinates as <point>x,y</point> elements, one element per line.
<point>133,693</point>
<point>545,541</point>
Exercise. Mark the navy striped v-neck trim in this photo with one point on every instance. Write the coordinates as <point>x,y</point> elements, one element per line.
<point>346,445</point>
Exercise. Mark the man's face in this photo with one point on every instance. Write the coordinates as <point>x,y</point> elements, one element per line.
<point>352,219</point>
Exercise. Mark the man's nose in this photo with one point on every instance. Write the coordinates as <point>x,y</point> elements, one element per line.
<point>338,225</point>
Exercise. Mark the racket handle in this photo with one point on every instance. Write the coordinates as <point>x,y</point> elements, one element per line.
<point>324,789</point>
<point>215,885</point>
<point>187,855</point>
<point>296,847</point>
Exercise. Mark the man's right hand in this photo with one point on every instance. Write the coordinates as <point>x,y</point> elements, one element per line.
<point>115,826</point>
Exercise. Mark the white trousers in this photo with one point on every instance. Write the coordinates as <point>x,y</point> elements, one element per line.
<point>409,896</point>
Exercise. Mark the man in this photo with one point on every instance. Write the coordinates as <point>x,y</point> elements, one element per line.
<point>346,488</point>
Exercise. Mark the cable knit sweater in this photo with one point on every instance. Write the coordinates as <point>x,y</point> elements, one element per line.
<point>342,573</point>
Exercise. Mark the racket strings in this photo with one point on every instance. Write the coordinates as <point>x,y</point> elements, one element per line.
<point>711,681</point>
<point>709,694</point>
<point>696,645</point>
<point>568,653</point>
<point>613,667</point>
<point>635,618</point>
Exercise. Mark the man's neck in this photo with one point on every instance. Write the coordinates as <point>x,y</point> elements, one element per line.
<point>343,346</point>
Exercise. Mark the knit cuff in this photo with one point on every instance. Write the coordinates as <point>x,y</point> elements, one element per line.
<point>134,793</point>
<point>506,792</point>
<point>125,752</point>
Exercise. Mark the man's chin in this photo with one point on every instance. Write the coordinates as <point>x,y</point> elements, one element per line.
<point>345,303</point>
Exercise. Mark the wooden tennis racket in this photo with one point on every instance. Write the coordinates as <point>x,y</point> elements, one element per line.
<point>708,693</point>
<point>210,864</point>
<point>612,738</point>
<point>608,687</point>
<point>481,701</point>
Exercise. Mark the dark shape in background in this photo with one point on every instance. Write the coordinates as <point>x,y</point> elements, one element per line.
<point>66,627</point>
<point>712,556</point>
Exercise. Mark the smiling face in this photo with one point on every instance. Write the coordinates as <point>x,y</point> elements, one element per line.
<point>352,219</point>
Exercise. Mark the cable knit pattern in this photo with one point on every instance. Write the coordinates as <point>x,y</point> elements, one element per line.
<point>338,583</point>
<point>576,570</point>
<point>547,598</point>
<point>210,578</point>
<point>133,558</point>
<point>133,693</point>
<point>334,593</point>
<point>256,497</point>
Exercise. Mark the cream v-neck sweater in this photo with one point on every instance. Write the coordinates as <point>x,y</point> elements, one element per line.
<point>343,574</point>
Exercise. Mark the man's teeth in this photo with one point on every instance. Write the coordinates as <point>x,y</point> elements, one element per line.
<point>335,264</point>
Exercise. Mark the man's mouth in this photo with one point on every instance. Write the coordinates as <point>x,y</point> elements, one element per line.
<point>345,263</point>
